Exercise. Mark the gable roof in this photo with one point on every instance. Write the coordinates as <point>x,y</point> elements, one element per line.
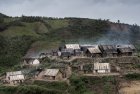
<point>72,46</point>
<point>94,49</point>
<point>108,48</point>
<point>16,77</point>
<point>51,72</point>
<point>101,66</point>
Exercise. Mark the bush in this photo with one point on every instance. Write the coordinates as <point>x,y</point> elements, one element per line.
<point>134,76</point>
<point>52,85</point>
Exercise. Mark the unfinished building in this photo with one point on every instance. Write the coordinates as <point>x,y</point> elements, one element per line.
<point>101,68</point>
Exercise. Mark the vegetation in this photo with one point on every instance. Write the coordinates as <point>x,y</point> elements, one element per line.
<point>29,89</point>
<point>19,34</point>
<point>134,76</point>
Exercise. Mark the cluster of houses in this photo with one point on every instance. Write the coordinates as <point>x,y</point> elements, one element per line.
<point>54,74</point>
<point>69,50</point>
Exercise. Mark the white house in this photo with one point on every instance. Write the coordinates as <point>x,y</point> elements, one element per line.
<point>31,61</point>
<point>101,68</point>
<point>15,77</point>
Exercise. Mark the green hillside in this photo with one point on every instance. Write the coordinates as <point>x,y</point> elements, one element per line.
<point>20,34</point>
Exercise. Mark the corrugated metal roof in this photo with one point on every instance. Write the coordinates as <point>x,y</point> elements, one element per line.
<point>94,50</point>
<point>101,66</point>
<point>126,46</point>
<point>72,46</point>
<point>16,77</point>
<point>51,72</point>
<point>109,48</point>
<point>13,73</point>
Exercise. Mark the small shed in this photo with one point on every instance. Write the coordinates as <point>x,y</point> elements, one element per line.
<point>53,74</point>
<point>15,77</point>
<point>94,52</point>
<point>101,68</point>
<point>108,50</point>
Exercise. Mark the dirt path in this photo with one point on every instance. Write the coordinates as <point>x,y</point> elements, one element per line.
<point>132,87</point>
<point>103,74</point>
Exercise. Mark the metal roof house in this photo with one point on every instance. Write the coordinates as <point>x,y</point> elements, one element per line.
<point>94,52</point>
<point>101,68</point>
<point>125,50</point>
<point>15,77</point>
<point>66,53</point>
<point>108,50</point>
<point>53,74</point>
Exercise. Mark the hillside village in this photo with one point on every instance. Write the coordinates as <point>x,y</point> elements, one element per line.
<point>44,55</point>
<point>62,65</point>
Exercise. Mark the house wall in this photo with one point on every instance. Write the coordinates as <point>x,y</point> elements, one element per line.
<point>36,61</point>
<point>125,54</point>
<point>59,76</point>
<point>16,82</point>
<point>49,77</point>
<point>101,71</point>
<point>96,55</point>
